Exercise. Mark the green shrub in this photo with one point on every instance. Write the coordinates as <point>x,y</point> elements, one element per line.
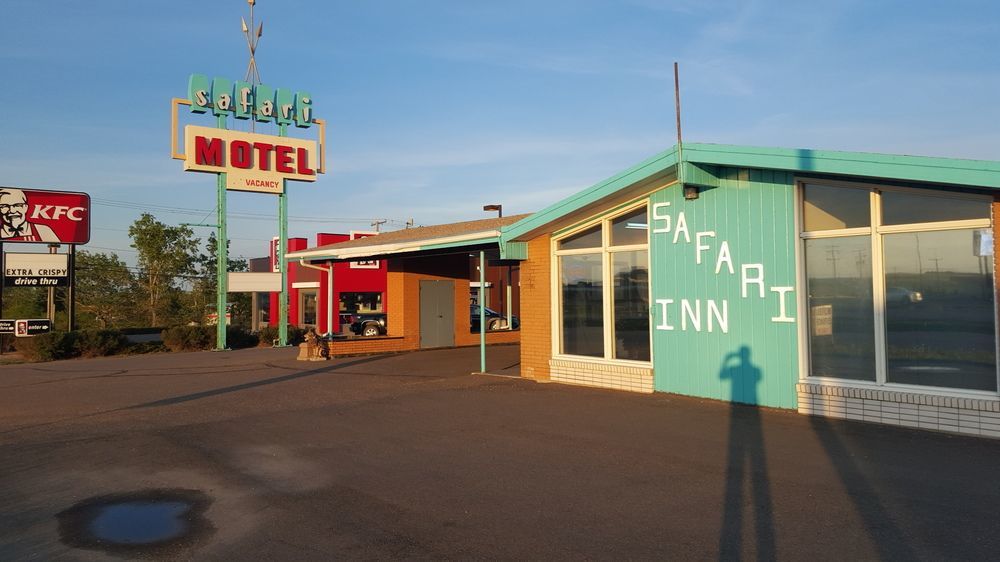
<point>47,347</point>
<point>238,338</point>
<point>296,335</point>
<point>140,348</point>
<point>189,338</point>
<point>99,343</point>
<point>268,334</point>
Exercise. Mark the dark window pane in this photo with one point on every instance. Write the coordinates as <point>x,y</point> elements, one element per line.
<point>630,229</point>
<point>835,208</point>
<point>582,305</point>
<point>631,299</point>
<point>908,208</point>
<point>590,238</point>
<point>360,302</point>
<point>939,314</point>
<point>841,315</point>
<point>309,308</point>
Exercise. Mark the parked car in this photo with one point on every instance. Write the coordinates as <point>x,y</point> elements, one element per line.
<point>902,295</point>
<point>369,324</point>
<point>494,320</point>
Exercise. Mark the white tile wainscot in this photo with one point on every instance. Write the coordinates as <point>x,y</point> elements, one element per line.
<point>974,416</point>
<point>604,375</point>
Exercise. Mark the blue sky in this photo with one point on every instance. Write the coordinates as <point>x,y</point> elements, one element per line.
<point>438,107</point>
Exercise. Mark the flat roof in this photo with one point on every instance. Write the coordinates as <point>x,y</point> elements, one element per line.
<point>945,171</point>
<point>421,238</point>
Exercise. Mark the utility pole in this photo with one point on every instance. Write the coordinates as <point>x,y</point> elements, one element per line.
<point>377,225</point>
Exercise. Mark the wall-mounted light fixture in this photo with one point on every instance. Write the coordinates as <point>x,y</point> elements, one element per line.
<point>690,192</point>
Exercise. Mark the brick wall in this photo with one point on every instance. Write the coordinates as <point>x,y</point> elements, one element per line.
<point>363,346</point>
<point>536,307</point>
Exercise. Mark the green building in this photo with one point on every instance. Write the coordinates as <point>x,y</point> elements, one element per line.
<point>841,284</point>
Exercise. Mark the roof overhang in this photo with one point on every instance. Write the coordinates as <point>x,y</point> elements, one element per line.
<point>700,163</point>
<point>443,243</point>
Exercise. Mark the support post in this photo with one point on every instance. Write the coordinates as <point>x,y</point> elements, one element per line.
<point>482,311</point>
<point>50,308</point>
<point>510,305</point>
<point>71,291</point>
<point>221,257</point>
<point>282,248</point>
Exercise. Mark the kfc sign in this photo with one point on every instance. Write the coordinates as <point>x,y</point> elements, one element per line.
<point>31,215</point>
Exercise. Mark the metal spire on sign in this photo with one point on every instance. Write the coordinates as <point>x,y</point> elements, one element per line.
<point>253,38</point>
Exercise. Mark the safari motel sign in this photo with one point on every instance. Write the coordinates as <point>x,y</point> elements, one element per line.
<point>250,161</point>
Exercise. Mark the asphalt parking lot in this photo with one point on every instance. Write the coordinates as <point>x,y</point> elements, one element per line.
<point>410,456</point>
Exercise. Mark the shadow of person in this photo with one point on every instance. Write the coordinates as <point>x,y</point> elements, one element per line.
<point>746,459</point>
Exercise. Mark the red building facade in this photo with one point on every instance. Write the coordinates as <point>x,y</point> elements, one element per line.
<point>358,287</point>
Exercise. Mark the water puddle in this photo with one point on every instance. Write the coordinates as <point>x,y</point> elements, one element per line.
<point>148,521</point>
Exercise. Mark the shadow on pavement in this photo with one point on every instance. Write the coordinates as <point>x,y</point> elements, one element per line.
<point>888,538</point>
<point>746,459</point>
<point>238,387</point>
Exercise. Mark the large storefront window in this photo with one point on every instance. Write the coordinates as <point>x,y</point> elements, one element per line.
<point>604,289</point>
<point>842,319</point>
<point>939,310</point>
<point>631,302</point>
<point>899,287</point>
<point>582,305</point>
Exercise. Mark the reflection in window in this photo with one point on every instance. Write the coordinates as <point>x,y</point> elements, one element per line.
<point>835,208</point>
<point>909,208</point>
<point>630,228</point>
<point>351,303</point>
<point>631,304</point>
<point>582,305</point>
<point>308,308</point>
<point>842,323</point>
<point>590,238</point>
<point>939,309</point>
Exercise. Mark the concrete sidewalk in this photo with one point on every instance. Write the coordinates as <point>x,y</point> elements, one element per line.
<point>409,456</point>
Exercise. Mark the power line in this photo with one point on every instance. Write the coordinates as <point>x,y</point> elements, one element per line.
<point>246,215</point>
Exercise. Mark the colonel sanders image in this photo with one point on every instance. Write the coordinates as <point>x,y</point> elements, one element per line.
<point>14,225</point>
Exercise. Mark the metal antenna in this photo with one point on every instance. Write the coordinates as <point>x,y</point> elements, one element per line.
<point>690,191</point>
<point>677,110</point>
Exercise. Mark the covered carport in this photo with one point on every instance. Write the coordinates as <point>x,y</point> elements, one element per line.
<point>430,271</point>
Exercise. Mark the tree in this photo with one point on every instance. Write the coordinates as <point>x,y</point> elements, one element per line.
<point>166,253</point>
<point>203,292</point>
<point>105,288</point>
<point>24,302</point>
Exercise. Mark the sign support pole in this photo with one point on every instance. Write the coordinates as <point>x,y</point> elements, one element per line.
<point>71,290</point>
<point>50,308</point>
<point>282,248</point>
<point>222,258</point>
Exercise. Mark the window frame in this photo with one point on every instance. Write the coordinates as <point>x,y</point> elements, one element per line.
<point>605,250</point>
<point>876,231</point>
